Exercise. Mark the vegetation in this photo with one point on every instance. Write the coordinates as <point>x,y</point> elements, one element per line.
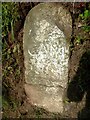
<point>9,17</point>
<point>85,17</point>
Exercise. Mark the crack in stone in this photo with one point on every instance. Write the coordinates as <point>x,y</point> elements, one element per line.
<point>47,85</point>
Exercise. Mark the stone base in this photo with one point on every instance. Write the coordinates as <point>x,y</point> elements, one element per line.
<point>49,98</point>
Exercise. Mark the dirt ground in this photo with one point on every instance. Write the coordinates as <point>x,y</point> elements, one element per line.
<point>15,102</point>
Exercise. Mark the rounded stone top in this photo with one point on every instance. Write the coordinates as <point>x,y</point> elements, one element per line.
<point>54,13</point>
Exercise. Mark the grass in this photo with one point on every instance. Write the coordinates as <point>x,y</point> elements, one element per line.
<point>9,17</point>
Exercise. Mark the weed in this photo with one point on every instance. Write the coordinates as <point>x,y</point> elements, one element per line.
<point>66,101</point>
<point>86,19</point>
<point>5,103</point>
<point>78,40</point>
<point>85,15</point>
<point>86,28</point>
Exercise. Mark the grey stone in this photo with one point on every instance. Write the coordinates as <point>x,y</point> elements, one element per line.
<point>46,38</point>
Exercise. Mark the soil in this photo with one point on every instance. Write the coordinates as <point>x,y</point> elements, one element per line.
<point>15,102</point>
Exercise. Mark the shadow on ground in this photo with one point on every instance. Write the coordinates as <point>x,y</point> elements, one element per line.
<point>80,85</point>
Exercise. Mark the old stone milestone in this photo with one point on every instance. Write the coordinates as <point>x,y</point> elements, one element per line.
<point>47,32</point>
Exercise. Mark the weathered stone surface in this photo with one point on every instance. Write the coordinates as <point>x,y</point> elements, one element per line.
<point>47,32</point>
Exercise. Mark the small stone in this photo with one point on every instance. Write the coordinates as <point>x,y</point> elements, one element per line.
<point>79,25</point>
